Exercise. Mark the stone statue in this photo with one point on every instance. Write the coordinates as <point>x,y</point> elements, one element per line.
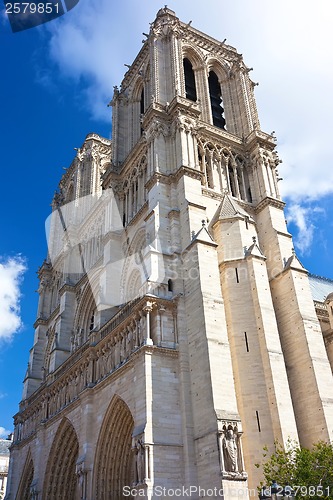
<point>81,474</point>
<point>140,461</point>
<point>230,451</point>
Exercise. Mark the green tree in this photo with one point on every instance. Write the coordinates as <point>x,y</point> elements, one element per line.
<point>308,472</point>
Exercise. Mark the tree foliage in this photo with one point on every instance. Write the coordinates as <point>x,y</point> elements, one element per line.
<point>308,472</point>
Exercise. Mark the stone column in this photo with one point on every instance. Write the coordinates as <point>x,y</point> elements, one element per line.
<point>148,309</point>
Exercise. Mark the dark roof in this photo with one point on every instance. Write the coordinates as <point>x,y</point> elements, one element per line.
<point>320,287</point>
<point>4,445</point>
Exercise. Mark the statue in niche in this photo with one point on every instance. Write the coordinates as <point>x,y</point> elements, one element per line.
<point>81,474</point>
<point>230,450</point>
<point>140,460</point>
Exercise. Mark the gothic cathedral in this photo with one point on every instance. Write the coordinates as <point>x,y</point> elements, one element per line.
<point>177,331</point>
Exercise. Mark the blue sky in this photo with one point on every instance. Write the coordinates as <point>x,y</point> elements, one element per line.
<point>56,82</point>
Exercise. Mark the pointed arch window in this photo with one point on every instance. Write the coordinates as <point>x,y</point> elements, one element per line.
<point>142,102</point>
<point>70,193</point>
<point>190,89</point>
<point>142,109</point>
<point>216,100</point>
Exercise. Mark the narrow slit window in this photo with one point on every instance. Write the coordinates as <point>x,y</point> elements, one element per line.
<point>246,342</point>
<point>190,89</point>
<point>237,277</point>
<point>216,100</point>
<point>142,109</point>
<point>170,286</point>
<point>258,421</point>
<point>232,181</point>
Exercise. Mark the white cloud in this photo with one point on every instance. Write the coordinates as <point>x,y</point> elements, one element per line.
<point>287,43</point>
<point>90,45</point>
<point>11,271</point>
<point>4,432</point>
<point>304,218</point>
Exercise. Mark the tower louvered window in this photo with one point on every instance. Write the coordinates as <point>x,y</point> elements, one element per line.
<point>216,100</point>
<point>190,89</point>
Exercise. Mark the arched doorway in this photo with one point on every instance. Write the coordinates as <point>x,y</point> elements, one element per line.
<point>26,480</point>
<point>60,479</point>
<point>113,462</point>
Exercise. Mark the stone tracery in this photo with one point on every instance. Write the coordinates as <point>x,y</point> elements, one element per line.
<point>224,170</point>
<point>133,193</point>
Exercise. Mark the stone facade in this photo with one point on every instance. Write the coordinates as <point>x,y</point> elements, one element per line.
<point>176,326</point>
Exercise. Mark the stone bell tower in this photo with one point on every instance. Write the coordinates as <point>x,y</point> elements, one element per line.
<point>176,326</point>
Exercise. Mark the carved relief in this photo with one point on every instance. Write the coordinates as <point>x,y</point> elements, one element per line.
<point>183,122</point>
<point>155,129</point>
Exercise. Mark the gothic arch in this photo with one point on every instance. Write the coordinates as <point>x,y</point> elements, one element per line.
<point>138,243</point>
<point>60,479</point>
<point>133,285</point>
<point>70,195</point>
<point>134,271</point>
<point>134,174</point>
<point>243,177</point>
<point>216,99</point>
<point>193,56</point>
<point>113,467</point>
<point>139,101</point>
<point>137,89</point>
<point>23,492</point>
<point>189,80</point>
<point>50,342</point>
<point>125,185</point>
<point>86,309</point>
<point>219,67</point>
